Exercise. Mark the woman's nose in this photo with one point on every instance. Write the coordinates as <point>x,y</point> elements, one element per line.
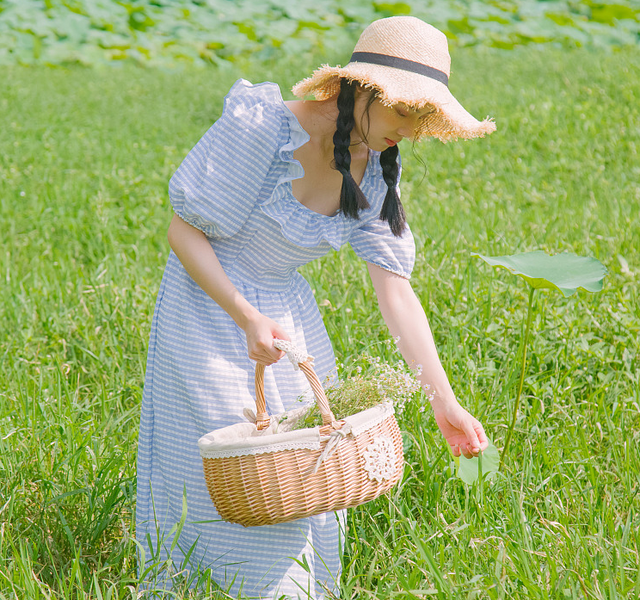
<point>408,128</point>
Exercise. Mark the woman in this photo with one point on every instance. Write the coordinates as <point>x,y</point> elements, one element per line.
<point>271,186</point>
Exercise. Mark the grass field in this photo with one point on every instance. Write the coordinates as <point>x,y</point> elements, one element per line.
<point>85,158</point>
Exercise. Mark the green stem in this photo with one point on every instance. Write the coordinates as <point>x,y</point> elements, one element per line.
<point>521,382</point>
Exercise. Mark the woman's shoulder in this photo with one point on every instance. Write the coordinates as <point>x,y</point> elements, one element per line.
<point>256,117</point>
<point>265,91</point>
<point>254,104</point>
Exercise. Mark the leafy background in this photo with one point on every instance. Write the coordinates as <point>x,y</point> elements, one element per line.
<point>171,32</point>
<point>84,164</point>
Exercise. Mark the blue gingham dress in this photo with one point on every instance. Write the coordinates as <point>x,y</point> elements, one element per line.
<point>235,186</point>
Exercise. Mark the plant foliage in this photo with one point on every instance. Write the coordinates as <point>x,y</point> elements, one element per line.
<point>170,32</point>
<point>485,465</point>
<point>566,272</point>
<point>84,163</point>
<point>363,388</point>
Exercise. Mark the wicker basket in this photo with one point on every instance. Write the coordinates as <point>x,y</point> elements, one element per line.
<point>258,475</point>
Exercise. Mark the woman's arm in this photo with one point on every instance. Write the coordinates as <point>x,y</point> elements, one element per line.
<point>407,320</point>
<point>200,261</point>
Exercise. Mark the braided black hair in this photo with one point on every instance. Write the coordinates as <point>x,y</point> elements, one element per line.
<point>392,209</point>
<point>352,200</point>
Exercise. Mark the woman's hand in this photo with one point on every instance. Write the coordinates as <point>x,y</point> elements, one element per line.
<point>199,259</point>
<point>408,323</point>
<point>463,432</point>
<point>260,332</point>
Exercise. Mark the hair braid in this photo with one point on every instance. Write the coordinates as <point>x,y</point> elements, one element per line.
<point>351,197</point>
<point>392,210</point>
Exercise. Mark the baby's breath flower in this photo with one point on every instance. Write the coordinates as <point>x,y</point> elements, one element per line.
<point>370,382</point>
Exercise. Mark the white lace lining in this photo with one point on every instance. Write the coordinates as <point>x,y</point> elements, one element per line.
<point>365,420</point>
<point>258,450</point>
<point>243,439</point>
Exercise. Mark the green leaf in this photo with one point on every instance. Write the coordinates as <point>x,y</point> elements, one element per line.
<point>610,13</point>
<point>468,467</point>
<point>566,272</point>
<point>392,8</point>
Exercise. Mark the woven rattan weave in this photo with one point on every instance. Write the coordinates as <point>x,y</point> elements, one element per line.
<point>267,487</point>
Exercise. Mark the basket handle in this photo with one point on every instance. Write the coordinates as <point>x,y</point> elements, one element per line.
<point>304,363</point>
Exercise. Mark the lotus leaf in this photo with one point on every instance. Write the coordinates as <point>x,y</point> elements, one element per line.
<point>566,272</point>
<point>469,468</point>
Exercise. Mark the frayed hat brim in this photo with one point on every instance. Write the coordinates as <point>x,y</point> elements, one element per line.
<point>448,121</point>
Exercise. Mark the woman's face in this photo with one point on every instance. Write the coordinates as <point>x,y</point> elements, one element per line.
<point>380,126</point>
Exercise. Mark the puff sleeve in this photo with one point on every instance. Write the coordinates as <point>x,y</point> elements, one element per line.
<point>374,242</point>
<point>219,182</point>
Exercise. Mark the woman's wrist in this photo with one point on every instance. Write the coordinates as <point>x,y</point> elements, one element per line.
<point>244,314</point>
<point>440,396</point>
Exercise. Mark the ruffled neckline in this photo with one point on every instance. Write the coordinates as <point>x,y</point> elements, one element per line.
<point>299,224</point>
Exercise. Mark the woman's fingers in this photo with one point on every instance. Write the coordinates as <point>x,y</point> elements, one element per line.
<point>260,332</point>
<point>473,443</point>
<point>280,333</point>
<point>476,441</point>
<point>273,353</point>
<point>265,352</point>
<point>467,452</point>
<point>462,450</point>
<point>266,355</point>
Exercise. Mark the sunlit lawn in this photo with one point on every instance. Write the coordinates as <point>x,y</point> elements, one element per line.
<point>85,158</point>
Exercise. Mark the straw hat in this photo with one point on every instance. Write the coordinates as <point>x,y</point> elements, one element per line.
<point>404,60</point>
